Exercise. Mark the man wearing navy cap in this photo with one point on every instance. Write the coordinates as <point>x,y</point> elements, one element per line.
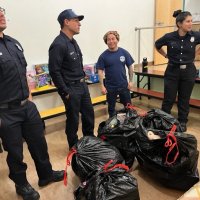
<point>66,70</point>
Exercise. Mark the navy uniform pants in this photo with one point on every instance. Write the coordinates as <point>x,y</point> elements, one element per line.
<point>179,82</point>
<point>124,95</point>
<point>79,102</point>
<point>18,124</point>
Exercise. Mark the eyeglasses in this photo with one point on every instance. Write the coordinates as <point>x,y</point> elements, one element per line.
<point>3,10</point>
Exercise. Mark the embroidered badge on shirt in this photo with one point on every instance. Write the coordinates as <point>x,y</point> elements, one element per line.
<point>192,39</point>
<point>19,47</point>
<point>122,58</point>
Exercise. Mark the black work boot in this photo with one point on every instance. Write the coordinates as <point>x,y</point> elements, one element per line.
<point>27,192</point>
<point>183,126</point>
<point>56,177</point>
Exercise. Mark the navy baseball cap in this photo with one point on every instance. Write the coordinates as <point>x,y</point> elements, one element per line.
<point>68,14</point>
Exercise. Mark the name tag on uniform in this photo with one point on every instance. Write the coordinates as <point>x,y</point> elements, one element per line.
<point>18,46</point>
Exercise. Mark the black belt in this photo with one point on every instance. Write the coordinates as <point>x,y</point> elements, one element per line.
<point>77,81</point>
<point>13,104</point>
<point>181,66</point>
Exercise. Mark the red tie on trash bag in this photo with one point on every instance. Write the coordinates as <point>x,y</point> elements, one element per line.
<point>107,169</point>
<point>171,143</point>
<point>68,163</point>
<point>103,137</point>
<point>140,111</point>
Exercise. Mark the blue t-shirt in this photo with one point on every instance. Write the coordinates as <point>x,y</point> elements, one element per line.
<point>113,63</point>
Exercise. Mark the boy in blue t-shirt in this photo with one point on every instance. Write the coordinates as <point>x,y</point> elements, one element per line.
<point>112,62</point>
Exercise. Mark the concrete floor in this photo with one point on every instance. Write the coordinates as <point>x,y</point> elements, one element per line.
<point>58,149</point>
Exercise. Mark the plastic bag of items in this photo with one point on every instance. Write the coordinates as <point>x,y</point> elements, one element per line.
<point>121,122</point>
<point>90,153</point>
<point>171,157</point>
<point>158,119</point>
<point>119,131</point>
<point>109,184</point>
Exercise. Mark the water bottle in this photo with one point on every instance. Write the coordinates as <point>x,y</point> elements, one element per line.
<point>144,65</point>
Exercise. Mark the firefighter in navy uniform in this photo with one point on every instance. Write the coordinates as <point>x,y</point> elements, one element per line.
<point>19,118</point>
<point>66,70</point>
<point>113,62</point>
<point>180,73</point>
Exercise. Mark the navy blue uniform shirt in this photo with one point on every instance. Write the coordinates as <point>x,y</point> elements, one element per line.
<point>180,49</point>
<point>13,82</point>
<point>65,62</point>
<point>113,63</point>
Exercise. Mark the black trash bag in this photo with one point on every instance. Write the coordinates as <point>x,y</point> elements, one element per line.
<point>121,133</point>
<point>128,155</point>
<point>91,153</point>
<point>158,119</point>
<point>116,184</point>
<point>119,124</point>
<point>124,142</point>
<point>174,166</point>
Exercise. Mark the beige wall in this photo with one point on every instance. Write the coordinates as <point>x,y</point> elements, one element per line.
<point>34,24</point>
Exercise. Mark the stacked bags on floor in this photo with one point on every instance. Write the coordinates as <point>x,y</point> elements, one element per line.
<point>158,143</point>
<point>119,131</point>
<point>100,168</point>
<point>155,139</point>
<point>106,184</point>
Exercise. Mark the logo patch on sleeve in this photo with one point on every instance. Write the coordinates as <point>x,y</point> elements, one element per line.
<point>122,58</point>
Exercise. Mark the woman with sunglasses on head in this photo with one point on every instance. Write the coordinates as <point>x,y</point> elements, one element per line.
<point>180,74</point>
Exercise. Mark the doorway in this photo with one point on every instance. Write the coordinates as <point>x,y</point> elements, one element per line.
<point>163,17</point>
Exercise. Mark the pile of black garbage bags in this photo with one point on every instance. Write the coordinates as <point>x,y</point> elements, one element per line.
<point>157,142</point>
<point>102,172</point>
